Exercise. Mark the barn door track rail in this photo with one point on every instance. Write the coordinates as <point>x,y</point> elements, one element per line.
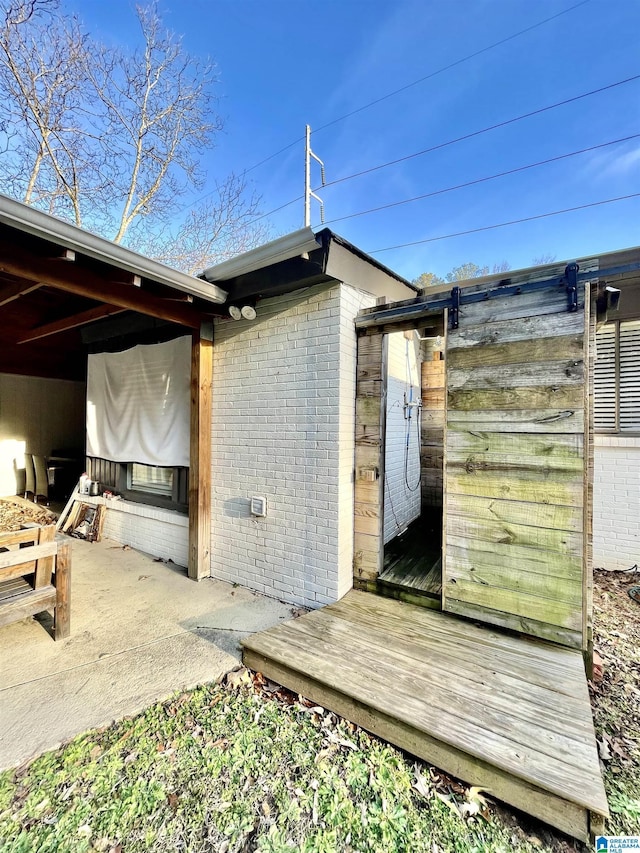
<point>425,306</point>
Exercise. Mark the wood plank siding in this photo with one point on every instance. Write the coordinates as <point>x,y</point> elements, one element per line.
<point>371,401</point>
<point>433,388</point>
<point>516,514</point>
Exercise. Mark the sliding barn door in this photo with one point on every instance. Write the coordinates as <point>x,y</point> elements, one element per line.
<point>515,464</point>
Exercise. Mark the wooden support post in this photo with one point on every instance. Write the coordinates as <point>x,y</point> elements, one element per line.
<point>590,321</point>
<point>62,618</point>
<point>200,454</point>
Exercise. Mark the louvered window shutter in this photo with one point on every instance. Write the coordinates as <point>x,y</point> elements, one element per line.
<point>604,392</point>
<point>616,395</point>
<point>629,376</point>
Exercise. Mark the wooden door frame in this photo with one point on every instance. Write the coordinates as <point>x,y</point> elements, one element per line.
<point>370,440</point>
<point>370,417</point>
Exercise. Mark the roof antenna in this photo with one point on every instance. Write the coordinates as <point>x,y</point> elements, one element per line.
<point>308,192</point>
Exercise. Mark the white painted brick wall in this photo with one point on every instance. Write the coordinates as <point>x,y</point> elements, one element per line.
<point>159,532</point>
<point>283,425</point>
<point>616,502</point>
<point>401,504</point>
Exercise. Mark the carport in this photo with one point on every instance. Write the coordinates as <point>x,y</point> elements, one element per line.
<point>57,282</point>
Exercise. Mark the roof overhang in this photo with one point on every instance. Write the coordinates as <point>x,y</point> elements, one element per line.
<point>292,245</point>
<point>15,214</point>
<point>302,259</point>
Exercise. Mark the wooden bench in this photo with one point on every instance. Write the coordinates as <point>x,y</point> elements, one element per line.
<point>35,575</point>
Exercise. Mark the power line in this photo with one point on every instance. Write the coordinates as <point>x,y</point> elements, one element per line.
<point>276,209</point>
<point>504,224</point>
<point>483,130</point>
<point>482,180</point>
<point>419,80</point>
<point>390,95</point>
<point>441,145</point>
<point>450,66</point>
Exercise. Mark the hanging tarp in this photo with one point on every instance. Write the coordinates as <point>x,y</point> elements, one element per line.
<point>138,404</point>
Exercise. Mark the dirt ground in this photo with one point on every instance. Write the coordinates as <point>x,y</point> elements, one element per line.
<point>15,511</point>
<point>615,695</point>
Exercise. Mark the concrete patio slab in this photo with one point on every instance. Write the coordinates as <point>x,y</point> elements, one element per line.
<point>140,630</point>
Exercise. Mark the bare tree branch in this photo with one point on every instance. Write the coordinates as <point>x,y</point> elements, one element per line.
<point>223,226</point>
<point>112,138</point>
<point>40,83</point>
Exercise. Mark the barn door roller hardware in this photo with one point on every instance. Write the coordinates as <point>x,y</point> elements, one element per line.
<point>571,276</point>
<point>454,311</point>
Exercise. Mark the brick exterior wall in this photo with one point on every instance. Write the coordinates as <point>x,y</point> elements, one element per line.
<point>616,502</point>
<point>283,428</point>
<point>159,532</point>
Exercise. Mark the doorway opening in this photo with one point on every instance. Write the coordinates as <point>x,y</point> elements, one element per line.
<point>413,462</point>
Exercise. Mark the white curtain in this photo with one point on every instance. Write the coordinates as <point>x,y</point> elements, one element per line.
<point>138,404</point>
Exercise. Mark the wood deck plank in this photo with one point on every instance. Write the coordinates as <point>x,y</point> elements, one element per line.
<point>414,575</point>
<point>509,711</point>
<point>413,560</point>
<point>516,705</point>
<point>562,814</point>
<point>505,670</point>
<point>461,631</point>
<point>394,692</point>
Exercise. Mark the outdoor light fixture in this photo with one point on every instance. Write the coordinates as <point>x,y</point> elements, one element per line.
<point>246,311</point>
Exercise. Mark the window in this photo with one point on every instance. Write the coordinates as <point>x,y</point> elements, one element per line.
<point>151,479</point>
<point>155,485</point>
<point>147,484</point>
<point>617,378</point>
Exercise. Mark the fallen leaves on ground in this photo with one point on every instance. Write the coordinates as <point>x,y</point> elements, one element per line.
<point>615,696</point>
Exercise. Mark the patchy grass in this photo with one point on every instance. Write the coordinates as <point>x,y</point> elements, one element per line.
<point>237,770</point>
<point>247,766</point>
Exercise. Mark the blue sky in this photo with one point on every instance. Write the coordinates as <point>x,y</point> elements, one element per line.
<point>285,63</point>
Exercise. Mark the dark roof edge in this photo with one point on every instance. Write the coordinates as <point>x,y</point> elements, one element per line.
<point>326,235</point>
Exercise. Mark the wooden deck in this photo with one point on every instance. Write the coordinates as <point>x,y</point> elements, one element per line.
<point>508,714</point>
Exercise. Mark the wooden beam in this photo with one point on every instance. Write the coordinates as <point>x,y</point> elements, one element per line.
<point>83,282</point>
<point>19,288</point>
<point>67,323</point>
<point>200,454</point>
<point>61,617</point>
